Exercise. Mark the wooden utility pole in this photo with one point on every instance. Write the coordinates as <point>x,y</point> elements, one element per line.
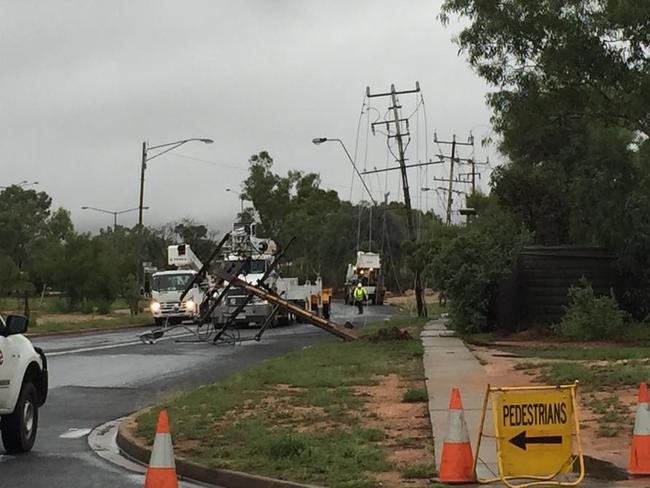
<point>401,159</point>
<point>450,198</point>
<point>452,160</point>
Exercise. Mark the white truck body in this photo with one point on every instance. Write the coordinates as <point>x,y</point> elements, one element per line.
<point>366,269</point>
<point>167,287</point>
<point>23,385</point>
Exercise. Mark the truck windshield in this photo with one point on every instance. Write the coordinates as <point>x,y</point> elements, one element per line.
<point>171,282</point>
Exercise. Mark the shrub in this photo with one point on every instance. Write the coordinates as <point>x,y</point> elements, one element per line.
<point>469,266</point>
<point>588,317</point>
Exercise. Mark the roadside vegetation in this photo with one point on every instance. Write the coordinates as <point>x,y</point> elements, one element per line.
<point>341,414</point>
<point>53,314</point>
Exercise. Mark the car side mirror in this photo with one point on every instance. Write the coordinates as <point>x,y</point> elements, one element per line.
<point>16,324</point>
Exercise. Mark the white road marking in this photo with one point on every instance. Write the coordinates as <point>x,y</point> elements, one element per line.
<point>75,433</point>
<point>4,458</point>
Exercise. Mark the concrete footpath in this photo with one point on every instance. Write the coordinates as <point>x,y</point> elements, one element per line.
<point>448,364</point>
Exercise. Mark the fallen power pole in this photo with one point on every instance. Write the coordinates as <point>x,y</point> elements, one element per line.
<point>396,123</point>
<point>343,332</point>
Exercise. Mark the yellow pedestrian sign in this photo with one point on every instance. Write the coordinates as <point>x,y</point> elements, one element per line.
<point>536,433</point>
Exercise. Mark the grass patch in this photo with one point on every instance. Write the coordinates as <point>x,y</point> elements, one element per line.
<point>110,321</point>
<point>525,365</point>
<point>296,416</point>
<point>613,415</point>
<point>418,471</point>
<point>50,304</point>
<point>479,338</point>
<point>592,377</point>
<point>415,395</point>
<point>584,353</point>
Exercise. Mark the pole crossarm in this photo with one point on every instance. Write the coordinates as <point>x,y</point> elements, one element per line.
<point>452,142</point>
<point>393,168</point>
<point>391,93</point>
<point>455,180</point>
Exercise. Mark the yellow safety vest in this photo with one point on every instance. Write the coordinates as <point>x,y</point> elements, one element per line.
<point>359,294</point>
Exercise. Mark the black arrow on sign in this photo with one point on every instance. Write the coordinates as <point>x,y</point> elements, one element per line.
<point>521,440</point>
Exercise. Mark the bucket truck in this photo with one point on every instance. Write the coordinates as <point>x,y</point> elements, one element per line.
<point>366,270</point>
<point>167,287</point>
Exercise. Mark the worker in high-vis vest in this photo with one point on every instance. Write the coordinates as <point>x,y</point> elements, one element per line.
<point>360,297</point>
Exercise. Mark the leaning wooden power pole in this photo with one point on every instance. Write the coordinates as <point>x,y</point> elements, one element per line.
<point>401,159</point>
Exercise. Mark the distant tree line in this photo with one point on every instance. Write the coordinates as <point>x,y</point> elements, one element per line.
<point>40,250</point>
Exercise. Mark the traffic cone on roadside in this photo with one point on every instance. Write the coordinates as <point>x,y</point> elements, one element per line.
<point>456,462</point>
<point>161,472</point>
<point>640,451</point>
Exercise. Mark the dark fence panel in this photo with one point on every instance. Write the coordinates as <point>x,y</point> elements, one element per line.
<point>536,293</point>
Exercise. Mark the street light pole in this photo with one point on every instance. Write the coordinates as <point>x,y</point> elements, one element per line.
<point>145,158</point>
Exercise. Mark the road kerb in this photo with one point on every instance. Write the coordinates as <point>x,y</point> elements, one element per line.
<point>134,449</point>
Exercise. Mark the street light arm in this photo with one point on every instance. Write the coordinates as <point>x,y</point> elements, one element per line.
<point>355,169</point>
<point>98,210</point>
<point>171,148</point>
<point>182,141</point>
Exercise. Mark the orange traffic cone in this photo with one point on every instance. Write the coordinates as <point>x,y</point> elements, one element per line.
<point>640,452</point>
<point>456,463</point>
<point>161,472</point>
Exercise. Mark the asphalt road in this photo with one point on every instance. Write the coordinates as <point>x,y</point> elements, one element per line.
<point>95,378</point>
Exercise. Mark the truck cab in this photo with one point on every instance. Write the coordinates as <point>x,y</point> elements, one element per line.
<point>367,271</point>
<point>168,286</point>
<point>166,290</point>
<point>23,385</point>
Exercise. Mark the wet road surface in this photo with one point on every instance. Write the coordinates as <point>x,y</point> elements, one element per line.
<point>95,378</point>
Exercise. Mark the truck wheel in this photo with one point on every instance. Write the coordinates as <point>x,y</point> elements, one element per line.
<point>19,428</point>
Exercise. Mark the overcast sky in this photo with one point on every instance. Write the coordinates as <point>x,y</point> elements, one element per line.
<point>85,82</point>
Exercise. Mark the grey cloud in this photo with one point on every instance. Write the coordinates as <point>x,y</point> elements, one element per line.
<point>84,83</point>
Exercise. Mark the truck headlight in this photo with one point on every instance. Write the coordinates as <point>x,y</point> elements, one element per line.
<point>154,307</point>
<point>190,305</point>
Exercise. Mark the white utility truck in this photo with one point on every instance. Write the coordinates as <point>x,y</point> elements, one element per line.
<point>367,271</point>
<point>168,286</point>
<point>23,385</point>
